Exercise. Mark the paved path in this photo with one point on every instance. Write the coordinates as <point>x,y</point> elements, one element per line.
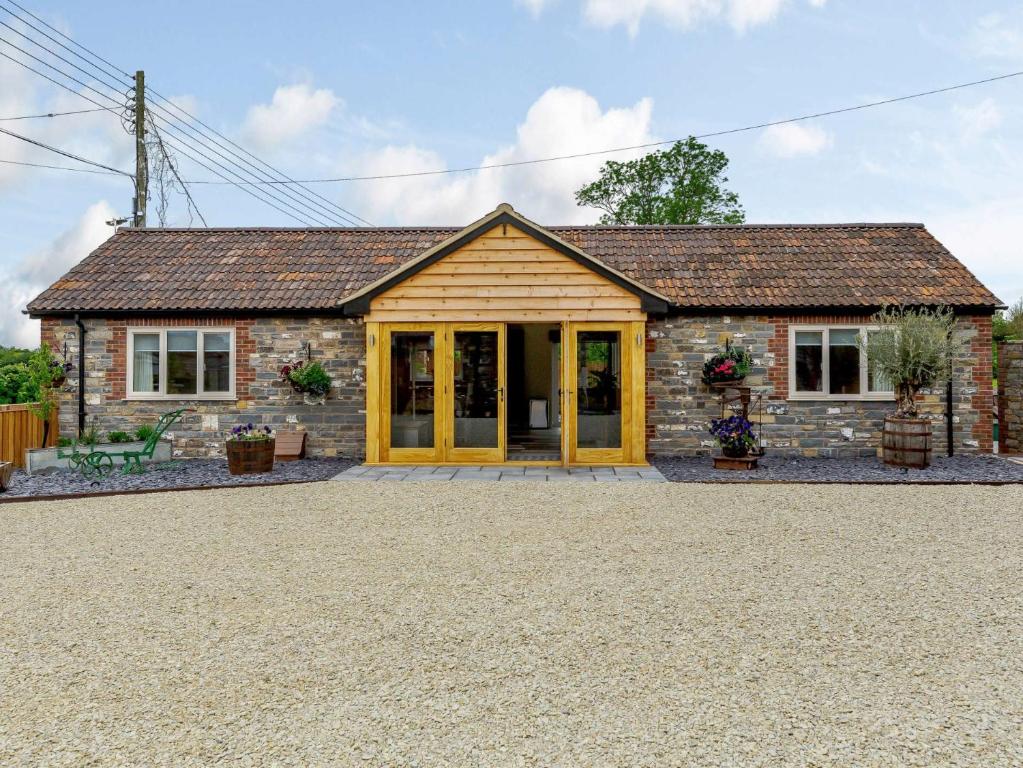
<point>536,474</point>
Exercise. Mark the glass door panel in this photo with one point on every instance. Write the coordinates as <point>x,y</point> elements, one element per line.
<point>477,393</point>
<point>413,397</point>
<point>598,375</point>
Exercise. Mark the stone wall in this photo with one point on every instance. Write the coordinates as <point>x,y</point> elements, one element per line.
<point>680,407</point>
<point>336,428</point>
<point>1010,397</point>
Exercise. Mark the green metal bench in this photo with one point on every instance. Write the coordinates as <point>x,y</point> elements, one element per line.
<point>101,463</point>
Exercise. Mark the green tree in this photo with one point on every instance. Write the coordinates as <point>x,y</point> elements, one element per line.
<point>40,373</point>
<point>16,385</point>
<point>681,185</point>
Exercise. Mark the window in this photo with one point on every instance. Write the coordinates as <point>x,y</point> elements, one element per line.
<point>825,363</point>
<point>181,364</point>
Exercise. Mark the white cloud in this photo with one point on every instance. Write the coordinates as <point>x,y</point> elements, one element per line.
<point>293,111</point>
<point>684,14</point>
<point>997,36</point>
<point>979,119</point>
<point>985,237</point>
<point>795,139</point>
<point>535,7</point>
<point>38,269</point>
<point>561,121</point>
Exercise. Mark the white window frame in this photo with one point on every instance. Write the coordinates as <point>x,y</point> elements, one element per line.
<point>824,394</point>
<point>131,394</point>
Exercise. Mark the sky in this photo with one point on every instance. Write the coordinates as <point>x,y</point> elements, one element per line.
<point>325,89</point>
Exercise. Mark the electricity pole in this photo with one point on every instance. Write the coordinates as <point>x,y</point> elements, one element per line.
<point>141,162</point>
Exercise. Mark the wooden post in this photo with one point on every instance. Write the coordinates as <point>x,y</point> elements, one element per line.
<point>141,162</point>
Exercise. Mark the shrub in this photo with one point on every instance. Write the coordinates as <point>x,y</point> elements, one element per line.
<point>65,442</point>
<point>307,377</point>
<point>913,349</point>
<point>144,432</point>
<point>118,437</point>
<point>90,435</point>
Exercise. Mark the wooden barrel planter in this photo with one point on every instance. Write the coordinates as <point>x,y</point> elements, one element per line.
<point>250,457</point>
<point>907,442</point>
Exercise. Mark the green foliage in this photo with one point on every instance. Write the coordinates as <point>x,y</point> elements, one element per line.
<point>13,355</point>
<point>681,185</point>
<point>118,437</point>
<point>310,378</point>
<point>90,435</point>
<point>913,349</point>
<point>40,375</point>
<point>65,442</point>
<point>144,431</point>
<point>1008,325</point>
<point>16,385</point>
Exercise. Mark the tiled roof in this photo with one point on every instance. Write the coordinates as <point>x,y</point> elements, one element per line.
<point>755,266</point>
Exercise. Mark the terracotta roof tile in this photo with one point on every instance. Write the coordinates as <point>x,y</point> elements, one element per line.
<point>755,266</point>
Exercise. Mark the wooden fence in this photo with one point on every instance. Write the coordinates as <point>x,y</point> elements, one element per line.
<point>21,429</point>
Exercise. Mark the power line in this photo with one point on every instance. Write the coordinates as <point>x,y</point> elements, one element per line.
<point>64,153</point>
<point>60,168</point>
<point>116,74</point>
<point>283,180</point>
<point>310,197</point>
<point>174,170</point>
<point>56,82</point>
<point>244,166</point>
<point>247,190</point>
<point>54,114</point>
<point>58,69</point>
<point>648,145</point>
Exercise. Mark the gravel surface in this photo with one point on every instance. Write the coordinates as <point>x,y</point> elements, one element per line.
<point>187,473</point>
<point>485,624</point>
<point>957,469</point>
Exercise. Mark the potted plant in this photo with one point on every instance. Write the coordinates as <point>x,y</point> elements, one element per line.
<point>734,435</point>
<point>912,349</point>
<point>309,379</point>
<point>250,450</point>
<point>728,367</point>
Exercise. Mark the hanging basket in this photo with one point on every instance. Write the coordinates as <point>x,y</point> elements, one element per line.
<point>312,399</point>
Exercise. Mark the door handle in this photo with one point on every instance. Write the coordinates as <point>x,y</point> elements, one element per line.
<point>500,394</point>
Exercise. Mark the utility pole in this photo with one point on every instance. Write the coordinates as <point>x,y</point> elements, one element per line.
<point>141,162</point>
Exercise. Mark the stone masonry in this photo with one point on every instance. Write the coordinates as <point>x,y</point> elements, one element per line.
<point>263,345</point>
<point>1010,397</point>
<point>680,407</point>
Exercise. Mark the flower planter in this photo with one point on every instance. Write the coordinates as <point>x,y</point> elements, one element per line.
<point>735,452</point>
<point>250,457</point>
<point>43,460</point>
<point>727,384</point>
<point>906,442</point>
<point>310,399</point>
<point>58,381</point>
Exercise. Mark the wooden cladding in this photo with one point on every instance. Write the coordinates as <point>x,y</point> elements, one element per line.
<point>505,275</point>
<point>21,429</point>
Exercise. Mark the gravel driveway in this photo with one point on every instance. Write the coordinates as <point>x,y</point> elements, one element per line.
<point>462,624</point>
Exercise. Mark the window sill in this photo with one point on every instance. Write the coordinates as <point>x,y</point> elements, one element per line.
<point>226,397</point>
<point>808,397</point>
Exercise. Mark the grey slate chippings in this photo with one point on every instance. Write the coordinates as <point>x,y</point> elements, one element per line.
<point>788,469</point>
<point>175,474</point>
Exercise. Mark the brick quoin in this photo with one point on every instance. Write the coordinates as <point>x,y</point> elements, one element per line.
<point>117,348</point>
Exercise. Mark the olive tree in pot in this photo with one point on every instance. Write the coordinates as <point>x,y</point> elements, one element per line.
<point>912,349</point>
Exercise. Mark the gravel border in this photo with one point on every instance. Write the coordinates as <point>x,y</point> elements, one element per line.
<point>173,475</point>
<point>953,470</point>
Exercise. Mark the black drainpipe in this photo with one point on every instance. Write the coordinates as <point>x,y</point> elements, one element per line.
<point>949,431</point>
<point>81,375</point>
